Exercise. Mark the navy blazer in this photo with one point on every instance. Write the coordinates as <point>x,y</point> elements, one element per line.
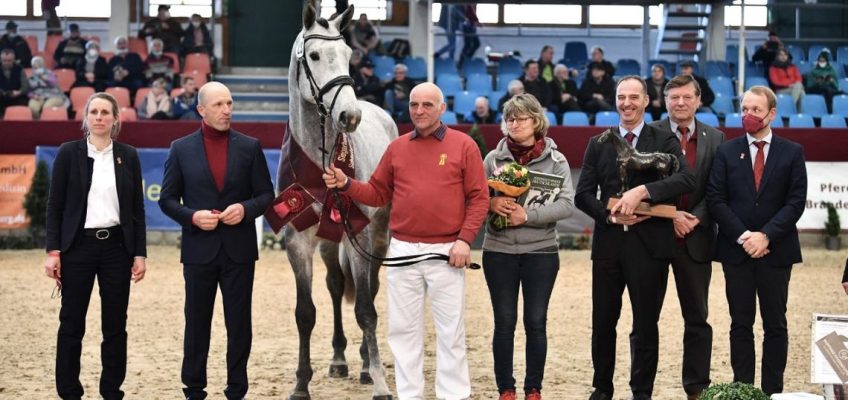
<point>188,186</point>
<point>600,170</point>
<point>774,209</point>
<point>68,199</point>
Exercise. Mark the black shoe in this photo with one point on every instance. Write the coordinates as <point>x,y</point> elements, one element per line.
<point>598,395</point>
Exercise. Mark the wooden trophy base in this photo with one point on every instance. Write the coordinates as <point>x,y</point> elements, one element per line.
<point>653,210</point>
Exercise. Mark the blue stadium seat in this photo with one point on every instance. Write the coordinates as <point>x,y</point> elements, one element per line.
<point>786,105</point>
<point>551,118</point>
<point>833,121</point>
<point>797,53</point>
<point>450,84</point>
<point>576,54</point>
<point>628,66</point>
<point>443,66</point>
<point>732,54</point>
<point>606,118</point>
<point>813,105</point>
<point>417,68</point>
<point>575,118</point>
<point>449,118</point>
<point>733,120</point>
<point>494,98</point>
<point>669,67</point>
<point>481,84</point>
<point>384,67</point>
<point>840,105</point>
<point>463,102</point>
<point>721,85</point>
<point>840,69</point>
<point>717,69</point>
<point>801,121</point>
<point>663,116</point>
<point>842,54</point>
<point>804,67</point>
<point>473,66</point>
<point>510,66</point>
<point>777,122</point>
<point>648,118</point>
<point>754,80</point>
<point>815,49</point>
<point>707,118</point>
<point>723,105</point>
<point>754,69</point>
<point>503,81</point>
<point>843,85</point>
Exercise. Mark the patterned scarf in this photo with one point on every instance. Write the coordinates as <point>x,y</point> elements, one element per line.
<point>524,154</point>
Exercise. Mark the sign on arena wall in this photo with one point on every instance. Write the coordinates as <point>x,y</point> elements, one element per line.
<point>16,171</point>
<point>826,181</point>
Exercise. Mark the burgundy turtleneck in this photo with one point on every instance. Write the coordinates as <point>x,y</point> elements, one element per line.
<point>215,143</point>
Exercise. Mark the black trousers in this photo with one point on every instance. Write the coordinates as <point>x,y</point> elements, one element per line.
<point>746,283</point>
<point>693,288</point>
<point>645,278</point>
<point>201,286</point>
<point>108,262</point>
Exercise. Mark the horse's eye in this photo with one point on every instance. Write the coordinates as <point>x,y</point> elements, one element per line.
<point>314,56</point>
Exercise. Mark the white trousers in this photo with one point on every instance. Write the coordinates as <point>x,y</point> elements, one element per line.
<point>407,288</point>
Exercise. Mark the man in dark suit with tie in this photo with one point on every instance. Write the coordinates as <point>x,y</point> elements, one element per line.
<point>629,250</point>
<point>695,231</point>
<point>212,169</point>
<point>756,193</point>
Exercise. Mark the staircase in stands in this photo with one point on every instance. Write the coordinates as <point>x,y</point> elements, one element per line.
<point>682,31</point>
<point>259,94</point>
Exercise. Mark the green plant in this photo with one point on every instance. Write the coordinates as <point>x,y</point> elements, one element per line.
<point>475,134</point>
<point>35,203</point>
<point>733,391</point>
<point>832,226</point>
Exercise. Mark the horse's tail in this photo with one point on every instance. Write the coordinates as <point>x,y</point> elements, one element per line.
<point>349,285</point>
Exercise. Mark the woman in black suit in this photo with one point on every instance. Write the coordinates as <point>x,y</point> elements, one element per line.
<point>95,228</point>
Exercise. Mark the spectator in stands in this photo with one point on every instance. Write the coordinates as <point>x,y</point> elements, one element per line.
<point>157,103</point>
<point>766,53</point>
<point>564,93</point>
<point>92,70</point>
<point>70,50</point>
<point>366,86</point>
<point>185,104</point>
<point>823,80</point>
<point>196,38</point>
<point>158,65</point>
<point>44,89</point>
<point>483,113</point>
<point>363,35</point>
<point>534,84</point>
<point>450,19</point>
<point>356,57</point>
<point>513,88</point>
<point>656,86</point>
<point>11,40</point>
<point>707,95</point>
<point>125,67</point>
<point>399,89</point>
<point>598,91</point>
<point>598,59</point>
<point>470,40</point>
<point>785,77</point>
<point>14,85</point>
<point>165,28</point>
<point>546,64</point>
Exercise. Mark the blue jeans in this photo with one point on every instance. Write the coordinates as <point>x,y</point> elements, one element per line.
<point>536,274</point>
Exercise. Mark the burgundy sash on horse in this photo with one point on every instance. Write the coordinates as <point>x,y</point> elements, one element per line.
<point>303,184</point>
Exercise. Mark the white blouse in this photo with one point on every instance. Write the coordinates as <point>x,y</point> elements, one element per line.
<point>103,209</point>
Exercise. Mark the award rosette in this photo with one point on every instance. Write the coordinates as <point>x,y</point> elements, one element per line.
<point>288,205</point>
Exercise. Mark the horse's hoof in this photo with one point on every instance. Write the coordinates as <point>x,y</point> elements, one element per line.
<point>299,396</point>
<point>338,371</point>
<point>383,397</point>
<point>365,378</point>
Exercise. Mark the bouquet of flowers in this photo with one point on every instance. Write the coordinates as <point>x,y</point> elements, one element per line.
<point>511,180</point>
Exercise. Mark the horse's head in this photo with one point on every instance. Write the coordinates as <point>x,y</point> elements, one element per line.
<point>323,75</point>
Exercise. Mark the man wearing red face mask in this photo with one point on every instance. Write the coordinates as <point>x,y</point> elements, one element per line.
<point>756,194</point>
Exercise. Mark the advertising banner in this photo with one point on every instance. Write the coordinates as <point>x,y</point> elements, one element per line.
<point>16,171</point>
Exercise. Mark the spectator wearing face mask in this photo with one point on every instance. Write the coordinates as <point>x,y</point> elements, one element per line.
<point>196,38</point>
<point>158,65</point>
<point>11,40</point>
<point>70,50</point>
<point>165,28</point>
<point>157,103</point>
<point>44,89</point>
<point>92,70</point>
<point>823,80</point>
<point>125,67</point>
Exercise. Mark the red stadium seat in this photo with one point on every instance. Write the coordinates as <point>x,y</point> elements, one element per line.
<point>140,94</point>
<point>127,114</point>
<point>199,62</point>
<point>17,113</point>
<point>50,47</point>
<point>79,96</point>
<point>176,58</point>
<point>121,94</point>
<point>48,60</point>
<point>89,38</point>
<point>32,42</point>
<point>107,55</point>
<point>138,46</point>
<point>65,78</point>
<point>28,72</point>
<point>54,114</point>
<point>199,78</point>
<point>176,92</point>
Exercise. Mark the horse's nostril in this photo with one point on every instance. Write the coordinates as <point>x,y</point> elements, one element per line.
<point>343,117</point>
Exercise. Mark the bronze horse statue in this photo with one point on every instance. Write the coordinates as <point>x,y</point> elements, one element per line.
<point>629,158</point>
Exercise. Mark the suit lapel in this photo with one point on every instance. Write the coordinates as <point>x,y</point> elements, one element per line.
<point>646,139</point>
<point>231,157</point>
<point>702,143</point>
<point>775,147</point>
<point>204,160</point>
<point>747,164</point>
<point>84,167</point>
<point>119,158</point>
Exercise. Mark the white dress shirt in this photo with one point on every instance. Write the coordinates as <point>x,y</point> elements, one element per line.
<point>636,131</point>
<point>754,150</point>
<point>103,209</point>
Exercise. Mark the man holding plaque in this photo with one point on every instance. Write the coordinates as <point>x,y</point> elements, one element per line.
<point>756,194</point>
<point>692,263</point>
<point>629,250</point>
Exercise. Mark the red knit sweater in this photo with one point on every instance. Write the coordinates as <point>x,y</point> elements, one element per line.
<point>437,188</point>
<point>215,143</point>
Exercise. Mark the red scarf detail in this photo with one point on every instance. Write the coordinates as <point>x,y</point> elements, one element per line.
<point>524,154</point>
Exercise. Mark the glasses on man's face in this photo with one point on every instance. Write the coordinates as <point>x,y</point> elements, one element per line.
<point>520,120</point>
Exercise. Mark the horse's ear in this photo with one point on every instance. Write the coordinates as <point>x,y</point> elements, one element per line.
<point>309,15</point>
<point>344,19</point>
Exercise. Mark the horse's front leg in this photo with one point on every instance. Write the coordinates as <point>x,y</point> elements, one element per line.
<point>622,174</point>
<point>336,285</point>
<point>299,247</point>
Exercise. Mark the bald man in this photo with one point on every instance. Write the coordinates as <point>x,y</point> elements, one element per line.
<point>216,183</point>
<point>434,178</point>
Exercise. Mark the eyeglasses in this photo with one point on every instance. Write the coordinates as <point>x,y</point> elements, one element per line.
<point>520,120</point>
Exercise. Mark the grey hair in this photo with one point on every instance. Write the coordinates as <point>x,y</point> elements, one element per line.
<point>37,59</point>
<point>157,40</point>
<point>514,84</point>
<point>117,39</point>
<point>560,67</point>
<point>526,104</point>
<point>484,98</point>
<point>401,67</point>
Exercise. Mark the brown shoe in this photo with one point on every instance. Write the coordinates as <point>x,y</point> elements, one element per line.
<point>508,394</point>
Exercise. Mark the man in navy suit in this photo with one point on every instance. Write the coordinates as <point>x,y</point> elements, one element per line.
<point>756,194</point>
<point>213,169</point>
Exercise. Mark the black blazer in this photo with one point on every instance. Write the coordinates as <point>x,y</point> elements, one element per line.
<point>188,186</point>
<point>600,169</point>
<point>68,199</point>
<point>774,209</point>
<point>699,242</point>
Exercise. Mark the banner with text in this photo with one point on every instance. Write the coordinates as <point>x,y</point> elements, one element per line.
<point>826,182</point>
<point>16,171</point>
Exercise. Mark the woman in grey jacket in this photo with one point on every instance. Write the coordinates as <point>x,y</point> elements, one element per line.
<point>525,253</point>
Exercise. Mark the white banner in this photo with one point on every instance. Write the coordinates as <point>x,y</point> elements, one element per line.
<point>826,181</point>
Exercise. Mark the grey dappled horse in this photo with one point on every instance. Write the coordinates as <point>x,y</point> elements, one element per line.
<point>369,130</point>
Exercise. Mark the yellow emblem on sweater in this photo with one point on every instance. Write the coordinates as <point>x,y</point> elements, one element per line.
<point>442,158</point>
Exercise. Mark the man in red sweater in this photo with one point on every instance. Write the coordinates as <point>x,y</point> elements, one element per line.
<point>434,178</point>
